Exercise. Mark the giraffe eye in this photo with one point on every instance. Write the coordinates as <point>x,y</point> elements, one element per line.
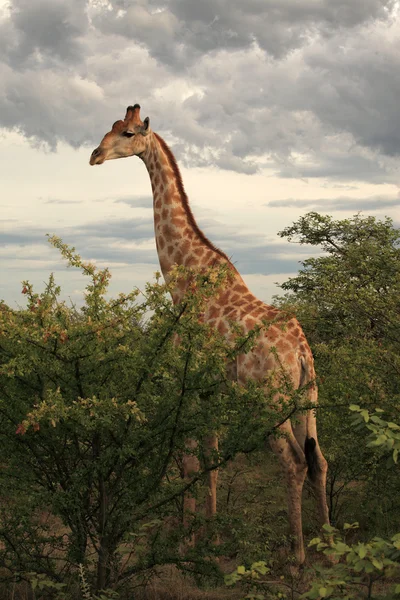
<point>128,134</point>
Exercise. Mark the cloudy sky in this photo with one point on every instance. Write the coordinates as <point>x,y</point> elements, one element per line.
<point>272,107</point>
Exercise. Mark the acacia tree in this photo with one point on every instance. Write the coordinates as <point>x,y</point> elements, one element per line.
<point>96,407</point>
<point>348,300</point>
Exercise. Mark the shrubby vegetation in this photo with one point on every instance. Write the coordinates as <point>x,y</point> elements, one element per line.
<point>348,301</point>
<point>97,405</point>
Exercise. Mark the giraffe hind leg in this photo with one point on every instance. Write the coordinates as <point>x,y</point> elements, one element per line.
<point>316,463</point>
<point>317,469</point>
<point>294,467</point>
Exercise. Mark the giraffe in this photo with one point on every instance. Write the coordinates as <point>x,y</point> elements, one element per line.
<point>179,241</point>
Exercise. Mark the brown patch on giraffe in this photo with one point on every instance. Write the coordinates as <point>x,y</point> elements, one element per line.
<point>213,312</point>
<point>190,261</point>
<point>198,251</point>
<point>273,334</point>
<point>239,287</point>
<point>270,363</point>
<point>164,178</point>
<point>283,346</point>
<point>185,246</point>
<point>157,218</point>
<point>157,180</point>
<point>223,297</point>
<point>250,323</point>
<point>158,203</point>
<point>161,243</point>
<point>178,222</point>
<point>177,211</point>
<point>271,314</point>
<point>222,328</point>
<point>290,359</point>
<point>168,231</point>
<point>178,257</point>
<point>170,250</point>
<point>229,309</point>
<point>251,307</point>
<point>165,213</point>
<point>164,264</point>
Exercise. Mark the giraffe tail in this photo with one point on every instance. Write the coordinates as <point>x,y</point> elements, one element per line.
<point>311,458</point>
<point>310,443</point>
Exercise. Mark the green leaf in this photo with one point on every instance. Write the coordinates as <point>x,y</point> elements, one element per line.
<point>378,564</point>
<point>323,592</point>
<point>377,420</point>
<point>314,542</point>
<point>328,528</point>
<point>354,525</point>
<point>362,552</point>
<point>365,415</point>
<point>341,547</point>
<point>260,567</point>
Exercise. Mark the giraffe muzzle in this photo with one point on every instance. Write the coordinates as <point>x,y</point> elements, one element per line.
<point>97,157</point>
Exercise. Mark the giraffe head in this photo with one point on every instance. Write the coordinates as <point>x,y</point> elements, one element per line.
<point>126,138</point>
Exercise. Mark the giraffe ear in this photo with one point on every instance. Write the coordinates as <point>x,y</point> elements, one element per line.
<point>144,130</point>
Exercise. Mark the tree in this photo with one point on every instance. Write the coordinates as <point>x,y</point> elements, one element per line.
<point>348,301</point>
<point>96,407</point>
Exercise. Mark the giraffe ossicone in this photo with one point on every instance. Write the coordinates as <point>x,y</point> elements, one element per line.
<point>180,241</point>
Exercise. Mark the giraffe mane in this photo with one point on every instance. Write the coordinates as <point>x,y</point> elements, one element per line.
<point>185,199</point>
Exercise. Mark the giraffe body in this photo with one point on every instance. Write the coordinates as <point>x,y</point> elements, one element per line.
<point>179,241</point>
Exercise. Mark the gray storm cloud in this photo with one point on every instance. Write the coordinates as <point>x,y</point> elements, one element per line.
<point>235,84</point>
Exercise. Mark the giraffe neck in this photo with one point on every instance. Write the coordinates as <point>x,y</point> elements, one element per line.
<point>178,238</point>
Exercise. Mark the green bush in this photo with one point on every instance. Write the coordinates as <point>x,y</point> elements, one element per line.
<point>96,408</point>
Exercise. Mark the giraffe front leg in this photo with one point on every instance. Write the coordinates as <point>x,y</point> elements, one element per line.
<point>211,455</point>
<point>190,467</point>
<point>294,467</point>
